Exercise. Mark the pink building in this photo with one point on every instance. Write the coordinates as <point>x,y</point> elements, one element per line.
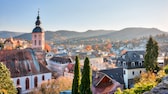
<point>38,35</point>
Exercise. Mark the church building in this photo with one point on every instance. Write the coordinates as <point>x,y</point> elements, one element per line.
<point>38,36</point>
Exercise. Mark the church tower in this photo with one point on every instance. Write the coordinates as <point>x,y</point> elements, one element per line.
<point>38,35</point>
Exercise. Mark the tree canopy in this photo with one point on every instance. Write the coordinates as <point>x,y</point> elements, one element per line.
<point>152,51</point>
<point>86,81</point>
<point>6,83</point>
<point>54,86</point>
<point>77,77</point>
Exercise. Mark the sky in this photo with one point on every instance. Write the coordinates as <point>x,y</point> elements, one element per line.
<point>82,15</point>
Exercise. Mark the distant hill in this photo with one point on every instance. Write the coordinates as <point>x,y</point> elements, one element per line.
<point>65,34</point>
<point>131,33</point>
<point>26,36</point>
<point>8,34</point>
<point>124,34</point>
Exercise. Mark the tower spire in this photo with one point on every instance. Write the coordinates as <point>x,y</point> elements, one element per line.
<point>38,19</point>
<point>38,11</point>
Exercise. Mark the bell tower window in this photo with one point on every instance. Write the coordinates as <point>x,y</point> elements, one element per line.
<point>34,42</point>
<point>34,36</point>
<point>39,42</point>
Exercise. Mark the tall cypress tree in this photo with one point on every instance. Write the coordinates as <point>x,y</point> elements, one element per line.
<point>86,81</point>
<point>77,77</point>
<point>6,84</point>
<point>151,55</point>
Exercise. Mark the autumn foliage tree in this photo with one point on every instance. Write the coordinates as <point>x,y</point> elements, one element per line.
<point>88,47</point>
<point>54,86</point>
<point>6,84</point>
<point>146,82</point>
<point>47,47</point>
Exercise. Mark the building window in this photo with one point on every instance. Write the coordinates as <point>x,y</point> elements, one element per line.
<point>39,42</point>
<point>35,36</point>
<point>34,42</point>
<point>18,82</point>
<point>119,63</point>
<point>133,64</point>
<point>27,83</point>
<point>124,64</point>
<point>43,77</point>
<point>140,63</point>
<point>141,56</point>
<point>133,73</point>
<point>35,81</point>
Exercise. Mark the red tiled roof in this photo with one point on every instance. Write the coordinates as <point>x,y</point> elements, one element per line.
<point>21,62</point>
<point>103,84</point>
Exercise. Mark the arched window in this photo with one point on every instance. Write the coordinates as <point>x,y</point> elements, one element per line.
<point>34,42</point>
<point>39,42</point>
<point>133,64</point>
<point>34,36</point>
<point>35,81</point>
<point>133,73</point>
<point>140,63</point>
<point>18,82</point>
<point>140,71</point>
<point>141,56</point>
<point>43,77</point>
<point>27,83</point>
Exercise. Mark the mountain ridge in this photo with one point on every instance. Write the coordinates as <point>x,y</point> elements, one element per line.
<point>123,34</point>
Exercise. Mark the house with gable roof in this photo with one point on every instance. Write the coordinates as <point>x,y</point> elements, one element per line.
<point>107,81</point>
<point>132,63</point>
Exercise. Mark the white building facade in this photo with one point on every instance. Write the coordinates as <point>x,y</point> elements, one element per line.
<point>132,63</point>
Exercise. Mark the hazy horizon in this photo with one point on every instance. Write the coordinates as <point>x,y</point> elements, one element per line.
<point>86,30</point>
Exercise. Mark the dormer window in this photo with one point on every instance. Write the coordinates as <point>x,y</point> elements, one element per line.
<point>119,63</point>
<point>140,63</point>
<point>124,64</point>
<point>141,56</point>
<point>133,73</point>
<point>133,64</point>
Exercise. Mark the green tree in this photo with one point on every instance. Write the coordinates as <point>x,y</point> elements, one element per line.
<point>77,77</point>
<point>86,81</point>
<point>6,84</point>
<point>151,55</point>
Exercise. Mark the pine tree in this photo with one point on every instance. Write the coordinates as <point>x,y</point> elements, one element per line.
<point>6,84</point>
<point>151,55</point>
<point>86,81</point>
<point>77,77</point>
